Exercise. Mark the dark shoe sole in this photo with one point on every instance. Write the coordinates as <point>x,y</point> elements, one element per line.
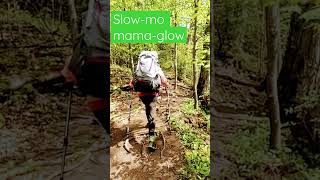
<point>152,147</point>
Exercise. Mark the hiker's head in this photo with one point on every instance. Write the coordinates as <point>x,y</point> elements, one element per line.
<point>152,54</point>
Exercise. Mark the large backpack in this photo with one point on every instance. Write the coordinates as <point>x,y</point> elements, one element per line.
<point>146,78</point>
<point>94,39</point>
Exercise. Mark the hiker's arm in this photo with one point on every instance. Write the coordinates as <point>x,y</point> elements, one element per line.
<point>164,81</point>
<point>131,83</point>
<point>67,74</point>
<point>72,63</point>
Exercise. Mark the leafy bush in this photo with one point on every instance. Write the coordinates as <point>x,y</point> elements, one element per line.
<point>42,22</point>
<point>255,158</point>
<point>195,140</point>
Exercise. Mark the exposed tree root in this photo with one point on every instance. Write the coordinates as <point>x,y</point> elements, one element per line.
<point>126,144</point>
<point>164,144</point>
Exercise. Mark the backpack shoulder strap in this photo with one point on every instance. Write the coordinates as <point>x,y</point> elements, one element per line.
<point>151,64</point>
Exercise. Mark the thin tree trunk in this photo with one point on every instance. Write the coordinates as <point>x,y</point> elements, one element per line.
<point>73,20</point>
<point>175,57</point>
<point>274,55</point>
<point>261,39</point>
<point>60,10</point>
<point>195,79</point>
<point>212,86</point>
<point>52,10</point>
<point>203,79</point>
<point>131,59</point>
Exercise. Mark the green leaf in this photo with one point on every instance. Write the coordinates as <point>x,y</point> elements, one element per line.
<point>313,14</point>
<point>294,8</point>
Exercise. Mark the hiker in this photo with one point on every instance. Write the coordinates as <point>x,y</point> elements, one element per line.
<point>88,67</point>
<point>147,80</point>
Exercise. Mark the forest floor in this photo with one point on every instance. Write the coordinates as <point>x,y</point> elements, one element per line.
<point>34,140</point>
<point>32,116</point>
<point>239,107</point>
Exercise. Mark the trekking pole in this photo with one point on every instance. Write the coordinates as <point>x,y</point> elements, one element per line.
<point>126,139</point>
<point>66,133</point>
<point>168,105</point>
<point>130,107</point>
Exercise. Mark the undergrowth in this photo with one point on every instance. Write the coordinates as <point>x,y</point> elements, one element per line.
<point>43,22</point>
<point>119,76</point>
<point>196,142</point>
<point>252,154</point>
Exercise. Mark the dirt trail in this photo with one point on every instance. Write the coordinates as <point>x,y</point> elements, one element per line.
<point>141,163</point>
<point>32,118</point>
<point>86,158</point>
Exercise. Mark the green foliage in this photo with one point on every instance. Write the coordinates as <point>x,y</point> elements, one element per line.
<point>313,14</point>
<point>184,63</point>
<point>239,25</point>
<point>119,76</point>
<point>30,167</point>
<point>42,22</point>
<point>187,108</point>
<point>293,8</point>
<point>204,114</point>
<point>197,152</point>
<point>309,102</point>
<point>255,158</point>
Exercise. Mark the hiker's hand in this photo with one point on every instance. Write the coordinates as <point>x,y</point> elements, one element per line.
<point>67,74</point>
<point>131,84</point>
<point>165,84</point>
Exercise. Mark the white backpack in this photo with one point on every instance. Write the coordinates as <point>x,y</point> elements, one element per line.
<point>146,76</point>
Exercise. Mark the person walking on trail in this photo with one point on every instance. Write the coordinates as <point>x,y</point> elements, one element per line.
<point>147,80</point>
<point>88,67</point>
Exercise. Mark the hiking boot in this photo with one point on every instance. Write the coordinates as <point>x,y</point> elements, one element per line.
<point>152,143</point>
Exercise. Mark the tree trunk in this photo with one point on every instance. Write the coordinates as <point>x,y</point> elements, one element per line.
<point>60,10</point>
<point>175,57</point>
<point>299,78</point>
<point>212,87</point>
<point>131,58</point>
<point>273,56</point>
<point>73,20</point>
<point>212,72</point>
<point>195,79</point>
<point>52,9</point>
<point>175,66</point>
<point>204,70</point>
<point>203,79</point>
<point>261,35</point>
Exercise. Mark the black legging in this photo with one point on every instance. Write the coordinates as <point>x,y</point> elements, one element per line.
<point>95,81</point>
<point>147,101</point>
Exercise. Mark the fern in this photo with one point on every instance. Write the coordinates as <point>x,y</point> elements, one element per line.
<point>313,14</point>
<point>293,8</point>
